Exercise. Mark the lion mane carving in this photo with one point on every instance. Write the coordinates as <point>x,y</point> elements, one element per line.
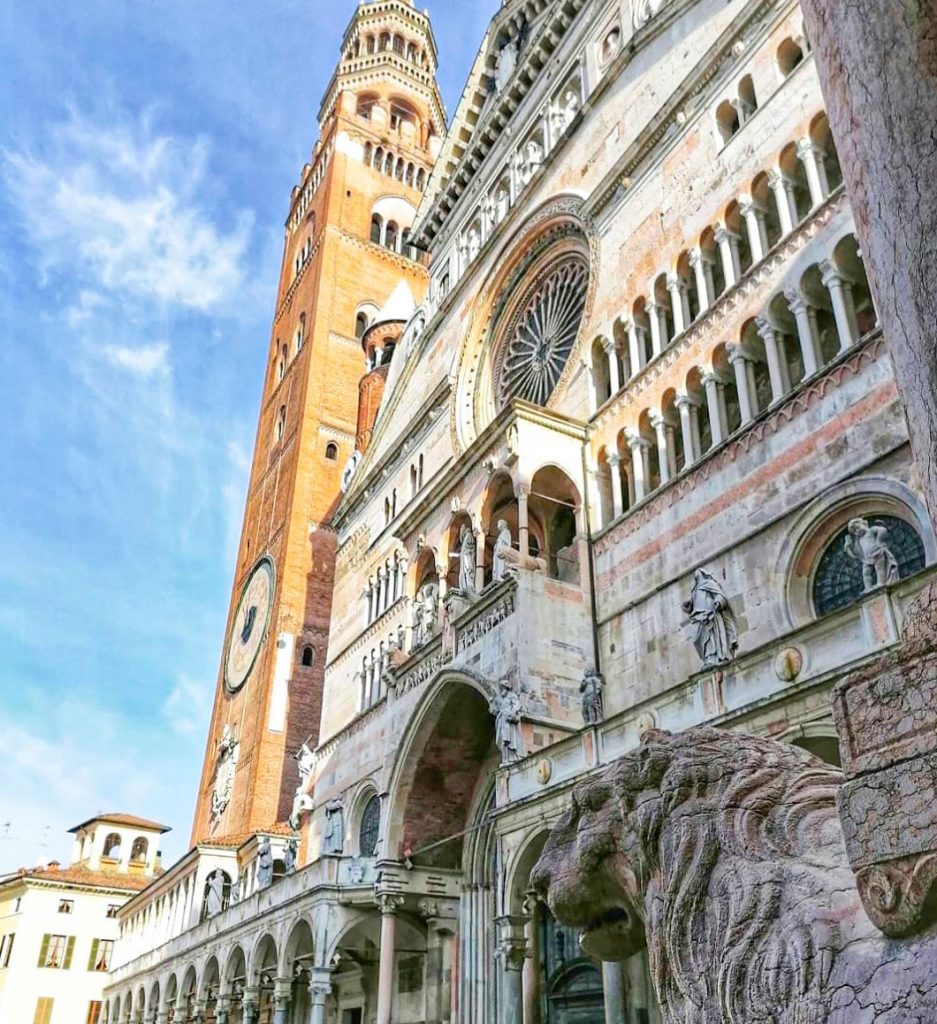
<point>724,854</point>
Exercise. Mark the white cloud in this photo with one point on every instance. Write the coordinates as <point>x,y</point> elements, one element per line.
<point>127,210</point>
<point>144,362</point>
<point>188,707</point>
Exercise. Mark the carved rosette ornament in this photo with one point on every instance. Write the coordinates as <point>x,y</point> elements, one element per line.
<point>535,354</point>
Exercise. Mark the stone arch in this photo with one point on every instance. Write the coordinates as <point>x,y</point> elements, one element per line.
<point>555,513</point>
<point>818,523</point>
<point>449,739</point>
<point>140,1003</point>
<point>234,977</point>
<point>188,990</point>
<point>210,982</point>
<point>517,871</point>
<point>365,792</point>
<point>170,991</point>
<point>152,1002</point>
<point>500,502</point>
<point>818,738</point>
<point>264,958</point>
<point>297,959</point>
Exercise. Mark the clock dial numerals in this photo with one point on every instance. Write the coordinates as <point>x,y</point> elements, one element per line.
<point>250,625</point>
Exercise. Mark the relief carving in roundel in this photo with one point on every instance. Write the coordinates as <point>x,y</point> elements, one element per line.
<point>540,336</point>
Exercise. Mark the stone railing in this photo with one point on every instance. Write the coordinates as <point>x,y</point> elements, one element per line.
<point>496,604</point>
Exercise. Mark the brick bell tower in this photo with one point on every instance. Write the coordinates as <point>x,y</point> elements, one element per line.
<point>345,253</point>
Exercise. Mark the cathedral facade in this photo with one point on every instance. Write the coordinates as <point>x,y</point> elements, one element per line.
<point>623,452</point>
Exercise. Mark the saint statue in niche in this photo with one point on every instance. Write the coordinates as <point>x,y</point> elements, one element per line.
<point>214,901</point>
<point>264,864</point>
<point>717,637</point>
<point>591,687</point>
<point>504,542</point>
<point>467,560</point>
<point>290,855</point>
<point>869,545</point>
<point>506,708</point>
<point>333,842</point>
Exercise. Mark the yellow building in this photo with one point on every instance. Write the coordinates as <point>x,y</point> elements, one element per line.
<point>58,925</point>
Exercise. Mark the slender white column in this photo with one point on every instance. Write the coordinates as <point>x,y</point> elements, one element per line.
<point>660,429</point>
<point>754,227</point>
<point>636,445</point>
<point>686,408</point>
<point>844,306</point>
<point>671,448</point>
<point>589,367</point>
<point>479,561</point>
<point>531,969</point>
<point>614,375</point>
<point>780,187</point>
<point>388,904</point>
<point>613,987</point>
<point>716,425</point>
<point>635,354</point>
<point>739,361</point>
<point>653,315</point>
<point>774,352</point>
<point>723,409</point>
<point>728,253</point>
<point>676,288</point>
<point>807,153</point>
<point>522,493</point>
<point>809,343</point>
<point>703,292</point>
<point>614,465</point>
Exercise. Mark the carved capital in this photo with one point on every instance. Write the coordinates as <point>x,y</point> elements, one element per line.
<point>796,299</point>
<point>766,329</point>
<point>388,902</point>
<point>656,418</point>
<point>831,275</point>
<point>737,354</point>
<point>899,895</point>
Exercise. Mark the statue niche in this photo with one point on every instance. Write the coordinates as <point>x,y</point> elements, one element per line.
<point>724,855</point>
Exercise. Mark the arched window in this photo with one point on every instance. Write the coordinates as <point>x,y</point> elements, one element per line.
<point>301,333</point>
<point>398,45</point>
<point>370,828</point>
<point>847,569</point>
<point>331,451</point>
<point>390,239</point>
<point>377,225</point>
<point>748,102</point>
<point>139,850</point>
<point>281,423</point>
<point>112,846</point>
<point>309,657</point>
<point>790,55</point>
<point>361,325</point>
<point>727,118</point>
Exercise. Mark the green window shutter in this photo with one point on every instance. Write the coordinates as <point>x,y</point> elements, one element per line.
<point>44,949</point>
<point>69,949</point>
<point>94,954</point>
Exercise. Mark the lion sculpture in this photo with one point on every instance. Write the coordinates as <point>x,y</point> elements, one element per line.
<point>723,854</point>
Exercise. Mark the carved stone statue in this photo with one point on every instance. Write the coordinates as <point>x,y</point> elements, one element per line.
<point>474,243</point>
<point>264,864</point>
<point>717,637</point>
<point>214,898</point>
<point>302,802</point>
<point>571,105</point>
<point>505,63</point>
<point>869,545</point>
<point>467,560</point>
<point>723,854</point>
<point>593,706</point>
<point>306,758</point>
<point>234,896</point>
<point>228,753</point>
<point>419,623</point>
<point>531,160</point>
<point>430,598</point>
<point>290,855</point>
<point>333,841</point>
<point>506,708</point>
<point>503,542</point>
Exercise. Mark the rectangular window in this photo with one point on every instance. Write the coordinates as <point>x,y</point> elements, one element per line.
<point>102,952</point>
<point>6,949</point>
<point>94,1012</point>
<point>56,951</point>
<point>43,1014</point>
<point>112,909</point>
<point>66,906</point>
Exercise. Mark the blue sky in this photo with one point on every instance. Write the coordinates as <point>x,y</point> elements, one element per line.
<point>147,151</point>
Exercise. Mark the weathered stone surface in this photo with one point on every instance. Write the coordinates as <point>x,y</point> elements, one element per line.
<point>725,854</point>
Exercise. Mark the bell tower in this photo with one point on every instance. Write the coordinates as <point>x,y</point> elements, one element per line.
<point>346,251</point>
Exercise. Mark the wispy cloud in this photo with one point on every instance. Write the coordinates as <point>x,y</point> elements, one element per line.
<point>127,209</point>
<point>145,362</point>
<point>188,706</point>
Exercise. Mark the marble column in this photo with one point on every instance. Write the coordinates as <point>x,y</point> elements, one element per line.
<point>523,519</point>
<point>717,425</point>
<point>782,188</point>
<point>479,560</point>
<point>808,154</point>
<point>653,316</point>
<point>686,408</point>
<point>754,227</point>
<point>660,430</point>
<point>636,444</point>
<point>282,994</point>
<point>703,291</point>
<point>614,465</point>
<point>774,353</point>
<point>635,349</point>
<point>729,254</point>
<point>676,288</point>
<point>320,988</point>
<point>739,361</point>
<point>530,981</point>
<point>614,988</point>
<point>806,330</point>
<point>844,306</point>
<point>389,904</point>
<point>611,354</point>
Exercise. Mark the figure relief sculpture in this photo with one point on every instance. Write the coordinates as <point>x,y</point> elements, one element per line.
<point>419,623</point>
<point>264,864</point>
<point>506,708</point>
<point>333,842</point>
<point>504,542</point>
<point>593,705</point>
<point>290,855</point>
<point>571,105</point>
<point>869,545</point>
<point>234,896</point>
<point>467,560</point>
<point>717,637</point>
<point>214,898</point>
<point>723,855</point>
<point>505,63</point>
<point>228,753</point>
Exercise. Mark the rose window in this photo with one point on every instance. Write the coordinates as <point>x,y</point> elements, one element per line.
<point>541,337</point>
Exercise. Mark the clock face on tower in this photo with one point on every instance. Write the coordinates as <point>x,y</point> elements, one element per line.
<point>249,628</point>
